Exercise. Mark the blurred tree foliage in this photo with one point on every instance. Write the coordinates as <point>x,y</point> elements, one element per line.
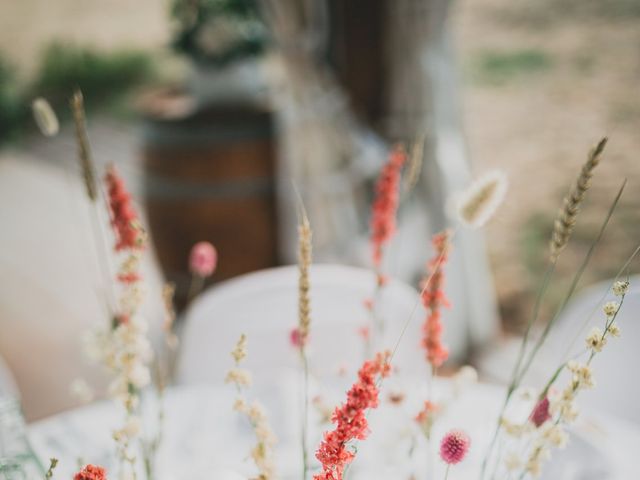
<point>12,109</point>
<point>218,32</point>
<point>101,76</point>
<point>104,78</point>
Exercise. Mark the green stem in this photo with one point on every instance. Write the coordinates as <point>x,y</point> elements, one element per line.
<point>551,381</point>
<point>427,283</point>
<point>305,414</point>
<point>519,373</point>
<point>52,465</point>
<point>195,287</point>
<point>620,272</point>
<point>572,288</point>
<point>514,376</point>
<point>377,322</point>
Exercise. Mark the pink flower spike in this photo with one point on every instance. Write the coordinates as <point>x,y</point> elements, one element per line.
<point>540,413</point>
<point>454,446</point>
<point>433,299</point>
<point>385,204</point>
<point>203,259</point>
<point>350,419</point>
<point>124,219</point>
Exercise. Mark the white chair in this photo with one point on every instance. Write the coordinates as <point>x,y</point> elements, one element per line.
<point>617,385</point>
<point>49,296</point>
<point>264,306</point>
<point>617,382</point>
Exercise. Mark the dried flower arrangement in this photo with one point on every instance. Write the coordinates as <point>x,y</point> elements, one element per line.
<point>124,349</point>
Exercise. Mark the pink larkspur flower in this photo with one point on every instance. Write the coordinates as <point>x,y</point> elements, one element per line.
<point>203,259</point>
<point>350,419</point>
<point>124,218</point>
<point>91,472</point>
<point>433,299</point>
<point>454,446</point>
<point>385,205</point>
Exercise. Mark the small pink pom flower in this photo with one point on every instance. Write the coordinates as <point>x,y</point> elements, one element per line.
<point>203,259</point>
<point>295,338</point>
<point>540,413</point>
<point>454,446</point>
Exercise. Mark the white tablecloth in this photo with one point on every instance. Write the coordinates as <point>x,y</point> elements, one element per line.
<point>204,435</point>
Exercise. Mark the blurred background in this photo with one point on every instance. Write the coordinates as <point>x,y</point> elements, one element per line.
<point>212,109</point>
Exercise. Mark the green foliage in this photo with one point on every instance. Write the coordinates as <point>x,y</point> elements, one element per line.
<point>500,67</point>
<point>104,78</point>
<point>542,14</point>
<point>218,32</point>
<point>12,109</point>
<point>101,76</point>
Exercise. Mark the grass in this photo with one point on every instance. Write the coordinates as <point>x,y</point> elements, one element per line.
<point>101,76</point>
<point>609,9</point>
<point>12,109</point>
<point>543,14</point>
<point>618,242</point>
<point>104,77</point>
<point>500,67</point>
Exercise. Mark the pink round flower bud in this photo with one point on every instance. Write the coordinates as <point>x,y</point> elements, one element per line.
<point>540,413</point>
<point>454,446</point>
<point>203,259</point>
<point>296,339</point>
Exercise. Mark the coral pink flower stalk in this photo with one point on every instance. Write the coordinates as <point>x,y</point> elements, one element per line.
<point>349,418</point>
<point>124,219</point>
<point>454,446</point>
<point>433,299</point>
<point>203,259</point>
<point>385,205</point>
<point>91,472</point>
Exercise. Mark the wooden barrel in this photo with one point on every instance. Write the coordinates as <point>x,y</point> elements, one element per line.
<point>210,175</point>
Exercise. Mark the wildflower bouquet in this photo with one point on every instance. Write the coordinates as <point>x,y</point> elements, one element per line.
<point>521,439</point>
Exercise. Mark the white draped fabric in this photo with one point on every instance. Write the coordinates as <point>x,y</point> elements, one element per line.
<point>203,435</point>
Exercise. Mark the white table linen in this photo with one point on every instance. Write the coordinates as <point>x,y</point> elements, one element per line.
<point>203,435</point>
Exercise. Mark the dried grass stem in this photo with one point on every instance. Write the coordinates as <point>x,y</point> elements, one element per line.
<point>84,150</point>
<point>567,216</point>
<point>304,262</point>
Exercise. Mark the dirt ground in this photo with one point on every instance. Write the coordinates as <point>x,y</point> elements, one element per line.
<point>28,25</point>
<point>542,81</point>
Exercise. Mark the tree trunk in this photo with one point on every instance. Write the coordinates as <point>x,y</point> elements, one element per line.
<point>400,84</point>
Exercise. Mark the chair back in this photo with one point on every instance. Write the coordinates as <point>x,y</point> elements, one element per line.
<point>264,305</point>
